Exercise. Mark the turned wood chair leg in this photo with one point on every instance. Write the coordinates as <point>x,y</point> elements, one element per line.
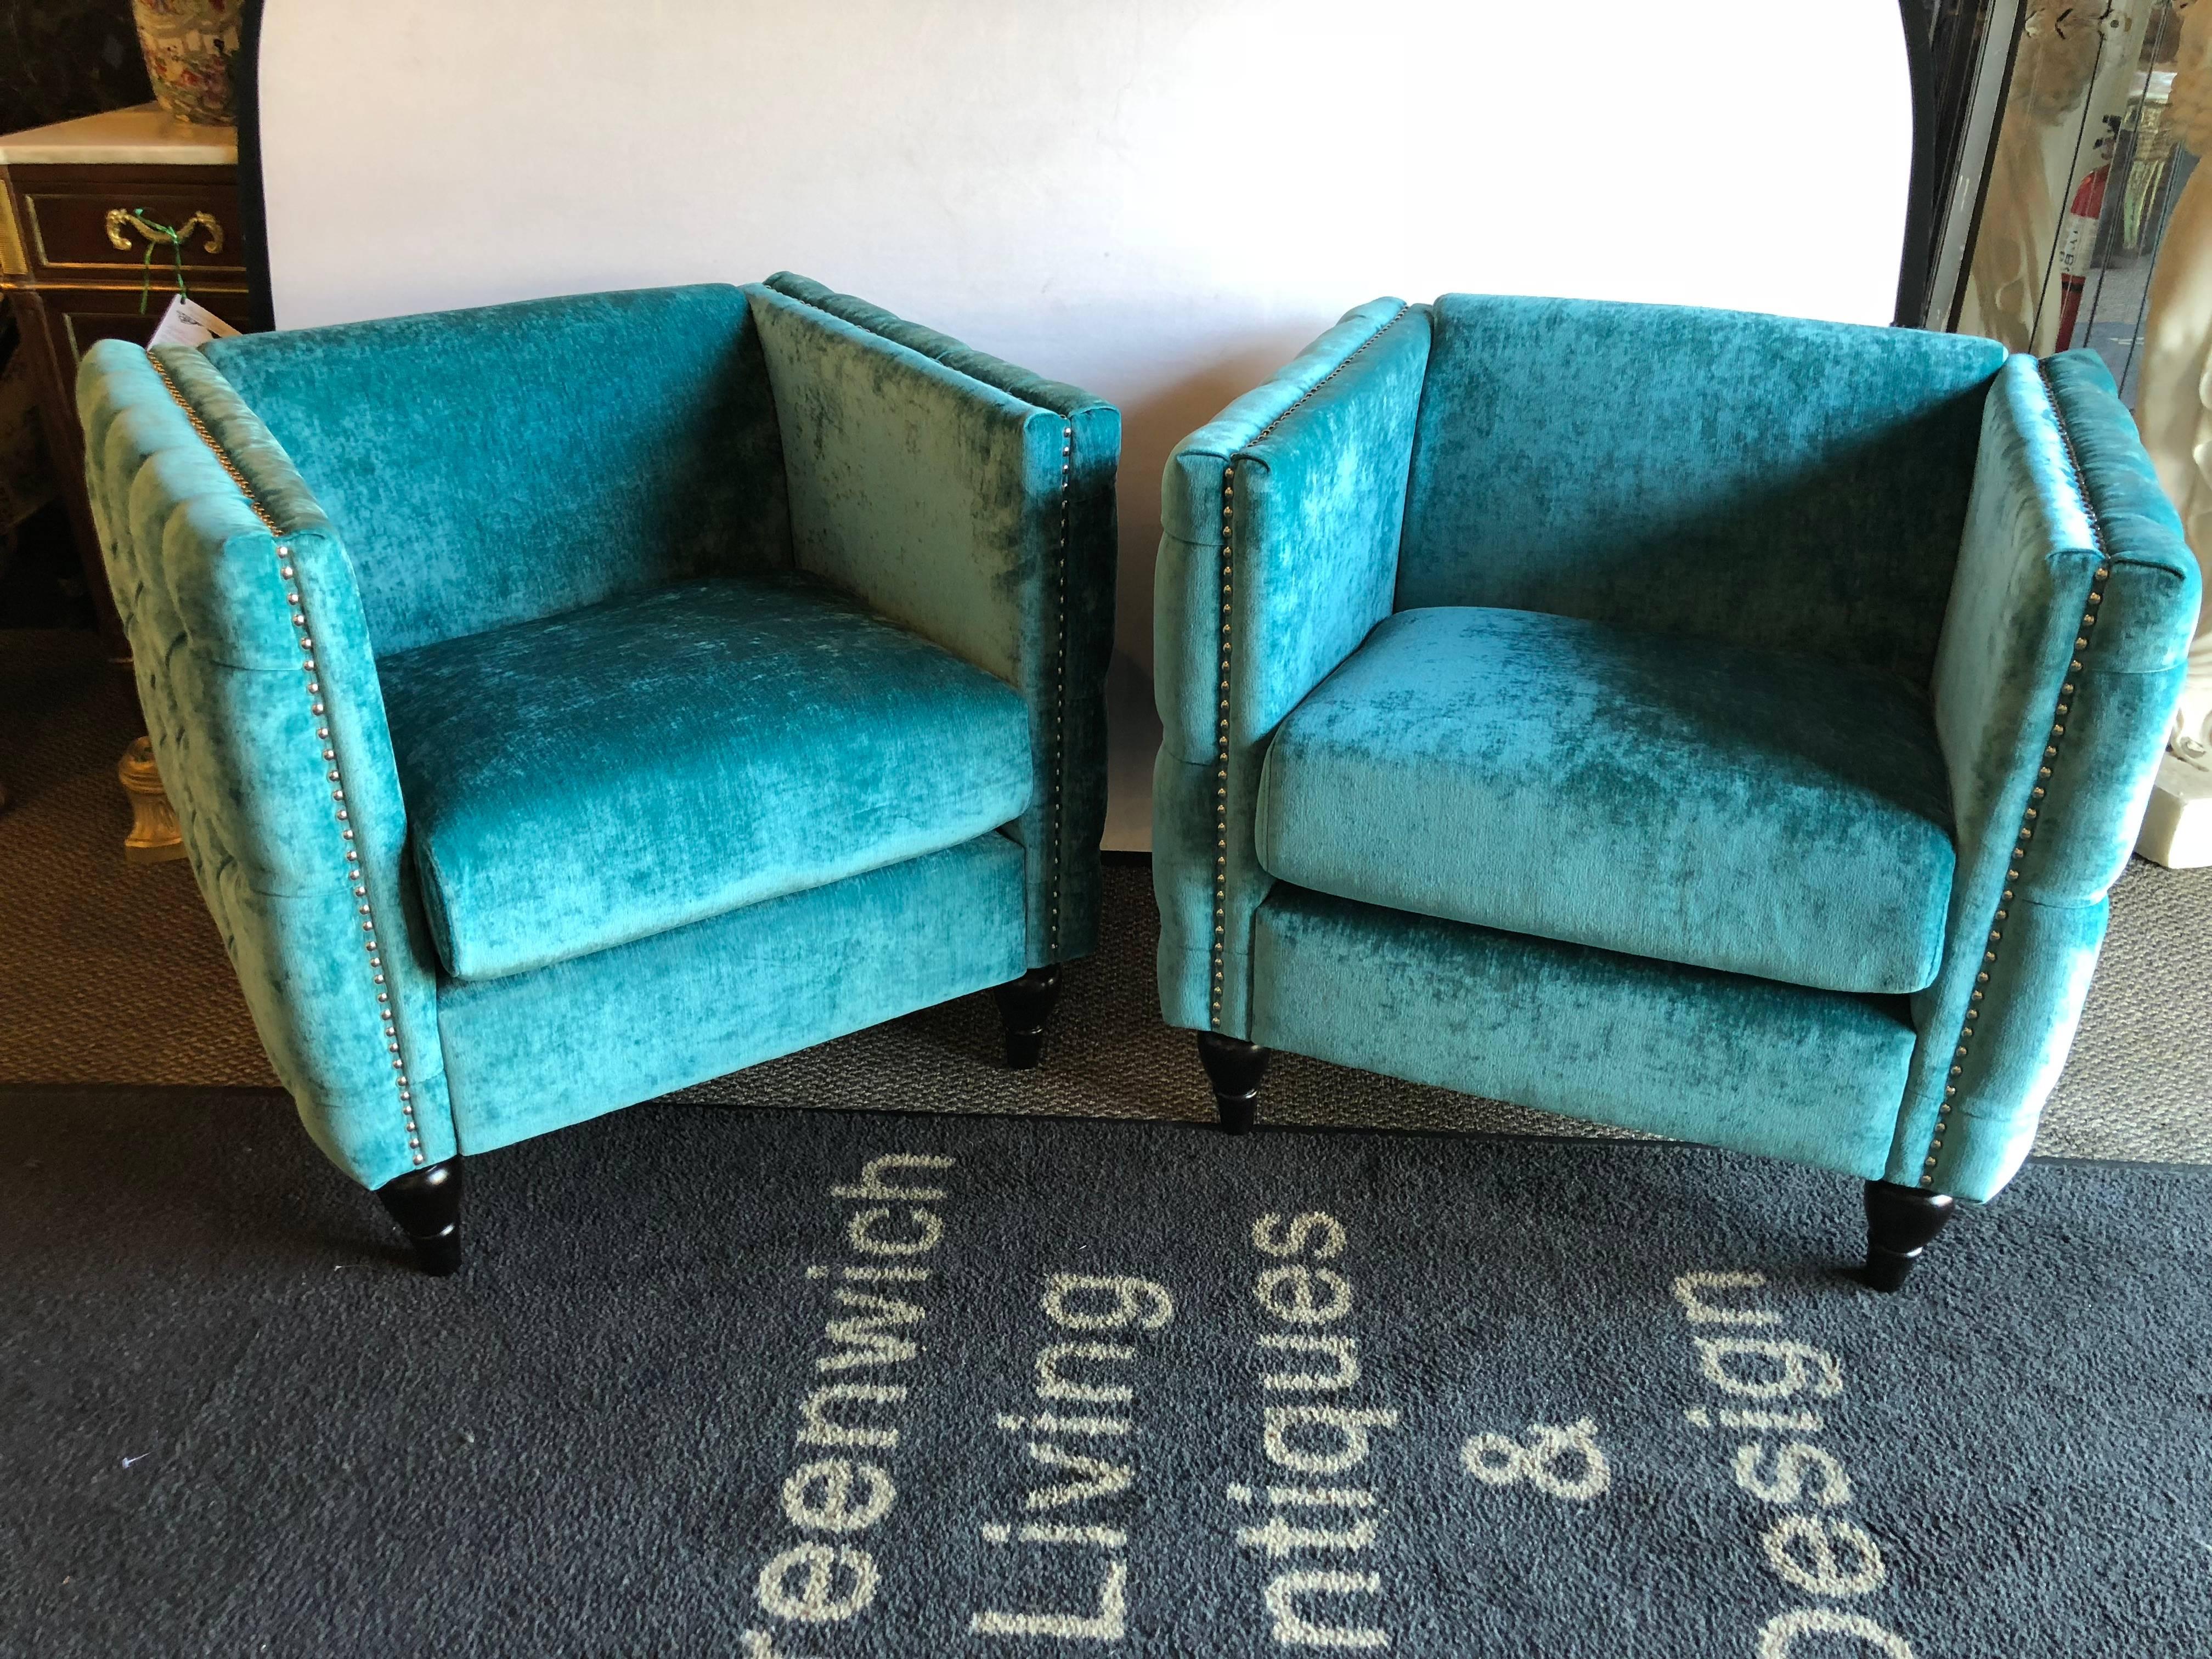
<point>1900,1222</point>
<point>427,1205</point>
<point>1234,1067</point>
<point>155,836</point>
<point>1024,1005</point>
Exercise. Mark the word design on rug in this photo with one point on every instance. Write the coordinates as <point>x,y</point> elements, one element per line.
<point>1810,1548</point>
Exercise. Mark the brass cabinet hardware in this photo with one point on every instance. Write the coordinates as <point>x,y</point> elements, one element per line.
<point>119,217</point>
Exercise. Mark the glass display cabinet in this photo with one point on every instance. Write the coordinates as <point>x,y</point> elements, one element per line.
<point>2079,215</point>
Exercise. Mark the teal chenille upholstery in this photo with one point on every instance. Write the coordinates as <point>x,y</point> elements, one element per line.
<point>1717,725</point>
<point>696,771</point>
<point>1749,811</point>
<point>527,1051</point>
<point>570,701</point>
<point>1769,482</point>
<point>446,444</point>
<point>1765,1068</point>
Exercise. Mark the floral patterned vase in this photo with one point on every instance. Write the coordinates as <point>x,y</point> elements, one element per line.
<point>188,45</point>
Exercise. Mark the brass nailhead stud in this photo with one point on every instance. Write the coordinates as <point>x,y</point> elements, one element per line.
<point>286,571</point>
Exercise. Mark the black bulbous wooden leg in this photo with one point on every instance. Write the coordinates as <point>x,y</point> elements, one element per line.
<point>1024,1005</point>
<point>427,1205</point>
<point>1900,1221</point>
<point>1234,1067</point>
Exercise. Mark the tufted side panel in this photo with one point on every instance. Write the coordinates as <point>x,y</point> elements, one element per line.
<point>248,724</point>
<point>945,503</point>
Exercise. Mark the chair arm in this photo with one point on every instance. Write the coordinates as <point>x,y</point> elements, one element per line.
<point>1279,553</point>
<point>972,502</point>
<point>260,693</point>
<point>2061,657</point>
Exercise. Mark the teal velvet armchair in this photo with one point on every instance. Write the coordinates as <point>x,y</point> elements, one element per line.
<point>1721,726</point>
<point>568,702</point>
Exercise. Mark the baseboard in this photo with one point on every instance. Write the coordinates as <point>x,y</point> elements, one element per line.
<point>2177,829</point>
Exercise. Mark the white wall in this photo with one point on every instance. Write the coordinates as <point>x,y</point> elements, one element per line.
<point>1159,199</point>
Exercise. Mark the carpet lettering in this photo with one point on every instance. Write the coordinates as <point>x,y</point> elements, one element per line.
<point>1559,1461</point>
<point>870,1341</point>
<point>1317,1525</point>
<point>1773,1384</point>
<point>1076,1434</point>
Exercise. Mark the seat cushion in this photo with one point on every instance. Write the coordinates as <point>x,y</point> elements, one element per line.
<point>1707,804</point>
<point>587,779</point>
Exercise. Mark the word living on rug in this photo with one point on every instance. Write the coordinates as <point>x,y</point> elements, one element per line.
<point>871,1333</point>
<point>1078,1439</point>
<point>1807,1547</point>
<point>1312,1441</point>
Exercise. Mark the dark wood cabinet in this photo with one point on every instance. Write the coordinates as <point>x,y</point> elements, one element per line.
<point>69,230</point>
<point>76,201</point>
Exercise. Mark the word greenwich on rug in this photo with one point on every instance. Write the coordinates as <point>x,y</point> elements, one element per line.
<point>871,1337</point>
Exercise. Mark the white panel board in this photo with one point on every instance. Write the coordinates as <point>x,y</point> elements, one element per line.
<point>1159,199</point>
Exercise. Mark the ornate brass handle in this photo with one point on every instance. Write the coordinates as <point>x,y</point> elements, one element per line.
<point>118,217</point>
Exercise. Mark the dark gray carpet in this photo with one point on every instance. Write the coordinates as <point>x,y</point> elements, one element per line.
<point>231,1423</point>
<point>109,972</point>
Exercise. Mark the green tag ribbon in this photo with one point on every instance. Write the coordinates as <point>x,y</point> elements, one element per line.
<point>154,231</point>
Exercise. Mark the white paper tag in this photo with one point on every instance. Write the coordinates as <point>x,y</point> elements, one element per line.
<point>188,325</point>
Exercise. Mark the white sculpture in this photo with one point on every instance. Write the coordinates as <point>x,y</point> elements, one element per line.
<point>2173,410</point>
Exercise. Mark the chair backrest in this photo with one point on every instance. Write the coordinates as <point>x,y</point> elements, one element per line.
<point>490,466</point>
<point>1762,480</point>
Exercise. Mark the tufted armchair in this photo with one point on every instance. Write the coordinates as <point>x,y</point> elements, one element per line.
<point>1726,727</point>
<point>568,702</point>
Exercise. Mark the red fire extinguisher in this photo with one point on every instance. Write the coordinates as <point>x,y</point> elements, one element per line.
<point>2077,246</point>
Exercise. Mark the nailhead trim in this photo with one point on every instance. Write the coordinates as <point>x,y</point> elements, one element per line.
<point>1058,759</point>
<point>2029,818</point>
<point>1220,954</point>
<point>294,596</point>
